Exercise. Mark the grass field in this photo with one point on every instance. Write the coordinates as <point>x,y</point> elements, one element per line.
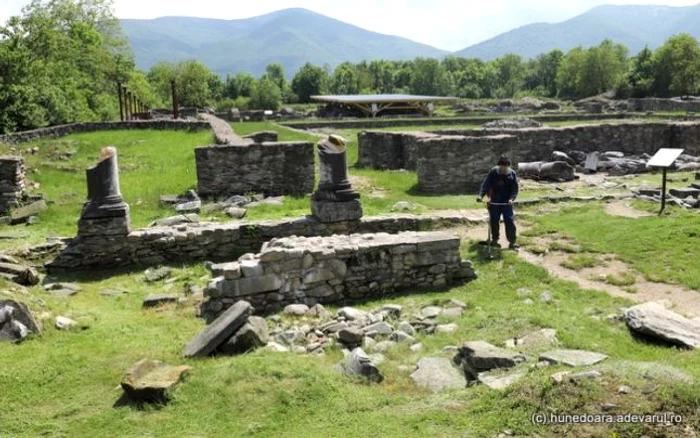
<point>67,383</point>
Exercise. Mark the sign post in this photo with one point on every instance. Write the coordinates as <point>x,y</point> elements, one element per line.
<point>664,159</point>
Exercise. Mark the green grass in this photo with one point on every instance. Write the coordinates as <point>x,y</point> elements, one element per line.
<point>663,249</point>
<point>624,279</point>
<point>66,383</point>
<point>578,262</point>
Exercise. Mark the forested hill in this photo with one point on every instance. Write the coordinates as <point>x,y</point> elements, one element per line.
<point>632,25</point>
<point>291,37</point>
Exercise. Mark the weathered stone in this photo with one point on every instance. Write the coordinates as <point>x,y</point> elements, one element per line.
<point>20,274</point>
<point>438,374</point>
<point>23,214</point>
<point>291,337</point>
<point>63,323</point>
<point>176,220</point>
<point>407,328</point>
<point>573,358</point>
<point>416,347</point>
<point>16,321</point>
<point>220,330</point>
<point>352,314</point>
<point>480,356</point>
<point>251,268</point>
<point>318,311</point>
<point>392,310</point>
<point>431,312</point>
<point>254,334</point>
<point>357,363</point>
<point>158,274</point>
<point>296,310</point>
<point>333,327</point>
<point>539,339</point>
<point>276,348</point>
<point>652,319</point>
<point>498,380</point>
<point>380,328</point>
<point>331,212</point>
<point>155,300</point>
<point>152,380</point>
<point>401,337</point>
<point>351,336</point>
<point>189,207</point>
<point>230,271</point>
<point>452,312</point>
<point>384,346</point>
<point>446,328</point>
<point>236,212</point>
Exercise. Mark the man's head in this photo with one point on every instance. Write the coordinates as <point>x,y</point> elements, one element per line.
<point>503,164</point>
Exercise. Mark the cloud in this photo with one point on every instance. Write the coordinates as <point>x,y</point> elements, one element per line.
<point>447,24</point>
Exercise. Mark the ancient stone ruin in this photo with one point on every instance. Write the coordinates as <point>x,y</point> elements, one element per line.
<point>335,200</point>
<point>455,160</point>
<point>337,269</point>
<point>12,182</point>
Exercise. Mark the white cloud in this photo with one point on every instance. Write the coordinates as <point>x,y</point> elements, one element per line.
<point>447,24</point>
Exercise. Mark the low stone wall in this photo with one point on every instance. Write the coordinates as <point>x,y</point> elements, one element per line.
<point>337,269</point>
<point>667,105</point>
<point>271,168</point>
<point>399,150</point>
<point>389,150</point>
<point>453,164</point>
<point>226,241</point>
<point>76,128</point>
<point>12,182</point>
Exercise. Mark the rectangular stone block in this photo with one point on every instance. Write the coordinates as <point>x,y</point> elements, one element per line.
<point>220,330</point>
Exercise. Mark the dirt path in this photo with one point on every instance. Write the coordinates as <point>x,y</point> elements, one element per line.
<point>624,209</point>
<point>684,300</point>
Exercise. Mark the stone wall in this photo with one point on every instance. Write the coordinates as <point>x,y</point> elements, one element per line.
<point>389,150</point>
<point>76,128</point>
<point>12,182</point>
<point>337,269</point>
<point>667,105</point>
<point>454,164</point>
<point>199,242</point>
<point>271,168</point>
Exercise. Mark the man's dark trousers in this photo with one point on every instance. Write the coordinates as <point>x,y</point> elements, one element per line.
<point>496,211</point>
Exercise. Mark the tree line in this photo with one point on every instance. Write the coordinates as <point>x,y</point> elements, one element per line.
<point>60,61</point>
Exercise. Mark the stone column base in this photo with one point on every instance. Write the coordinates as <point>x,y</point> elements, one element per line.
<point>328,211</point>
<point>119,226</point>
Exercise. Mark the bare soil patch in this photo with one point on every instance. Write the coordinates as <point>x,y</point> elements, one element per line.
<point>624,209</point>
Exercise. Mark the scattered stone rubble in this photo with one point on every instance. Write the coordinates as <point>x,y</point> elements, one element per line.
<point>149,381</point>
<point>654,320</point>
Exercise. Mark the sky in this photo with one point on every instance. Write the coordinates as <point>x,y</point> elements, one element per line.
<point>445,24</point>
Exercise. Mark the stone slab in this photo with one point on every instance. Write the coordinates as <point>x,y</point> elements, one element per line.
<point>652,319</point>
<point>438,374</point>
<point>150,380</point>
<point>220,330</point>
<point>573,358</point>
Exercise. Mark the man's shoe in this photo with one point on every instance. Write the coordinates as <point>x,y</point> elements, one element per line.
<point>495,244</point>
<point>514,247</point>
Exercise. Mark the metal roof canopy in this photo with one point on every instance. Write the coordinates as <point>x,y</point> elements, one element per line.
<point>373,104</point>
<point>664,159</point>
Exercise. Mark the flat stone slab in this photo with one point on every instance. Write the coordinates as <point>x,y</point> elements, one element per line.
<point>498,380</point>
<point>438,374</point>
<point>20,312</point>
<point>480,356</point>
<point>155,300</point>
<point>573,358</point>
<point>150,380</point>
<point>220,330</point>
<point>652,319</point>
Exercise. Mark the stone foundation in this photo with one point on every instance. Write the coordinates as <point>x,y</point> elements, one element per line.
<point>225,241</point>
<point>12,182</point>
<point>329,211</point>
<point>271,168</point>
<point>337,269</point>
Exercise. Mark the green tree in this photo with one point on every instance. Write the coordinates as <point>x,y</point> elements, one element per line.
<point>61,60</point>
<point>275,72</point>
<point>678,62</point>
<point>240,85</point>
<point>510,75</point>
<point>266,95</point>
<point>429,78</point>
<point>193,80</point>
<point>643,73</point>
<point>345,79</point>
<point>310,80</point>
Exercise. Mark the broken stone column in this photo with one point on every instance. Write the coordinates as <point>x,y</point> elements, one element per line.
<point>335,200</point>
<point>12,182</point>
<point>105,213</point>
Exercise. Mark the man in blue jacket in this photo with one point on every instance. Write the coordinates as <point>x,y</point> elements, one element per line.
<point>501,186</point>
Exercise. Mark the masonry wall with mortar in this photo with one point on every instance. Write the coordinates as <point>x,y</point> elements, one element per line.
<point>275,169</point>
<point>337,269</point>
<point>223,241</point>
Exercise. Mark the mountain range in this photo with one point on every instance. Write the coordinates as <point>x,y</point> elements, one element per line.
<point>293,37</point>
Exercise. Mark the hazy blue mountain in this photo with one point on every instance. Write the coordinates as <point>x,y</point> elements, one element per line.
<point>291,37</point>
<point>633,26</point>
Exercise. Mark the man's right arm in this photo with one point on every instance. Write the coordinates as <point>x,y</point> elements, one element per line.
<point>486,186</point>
